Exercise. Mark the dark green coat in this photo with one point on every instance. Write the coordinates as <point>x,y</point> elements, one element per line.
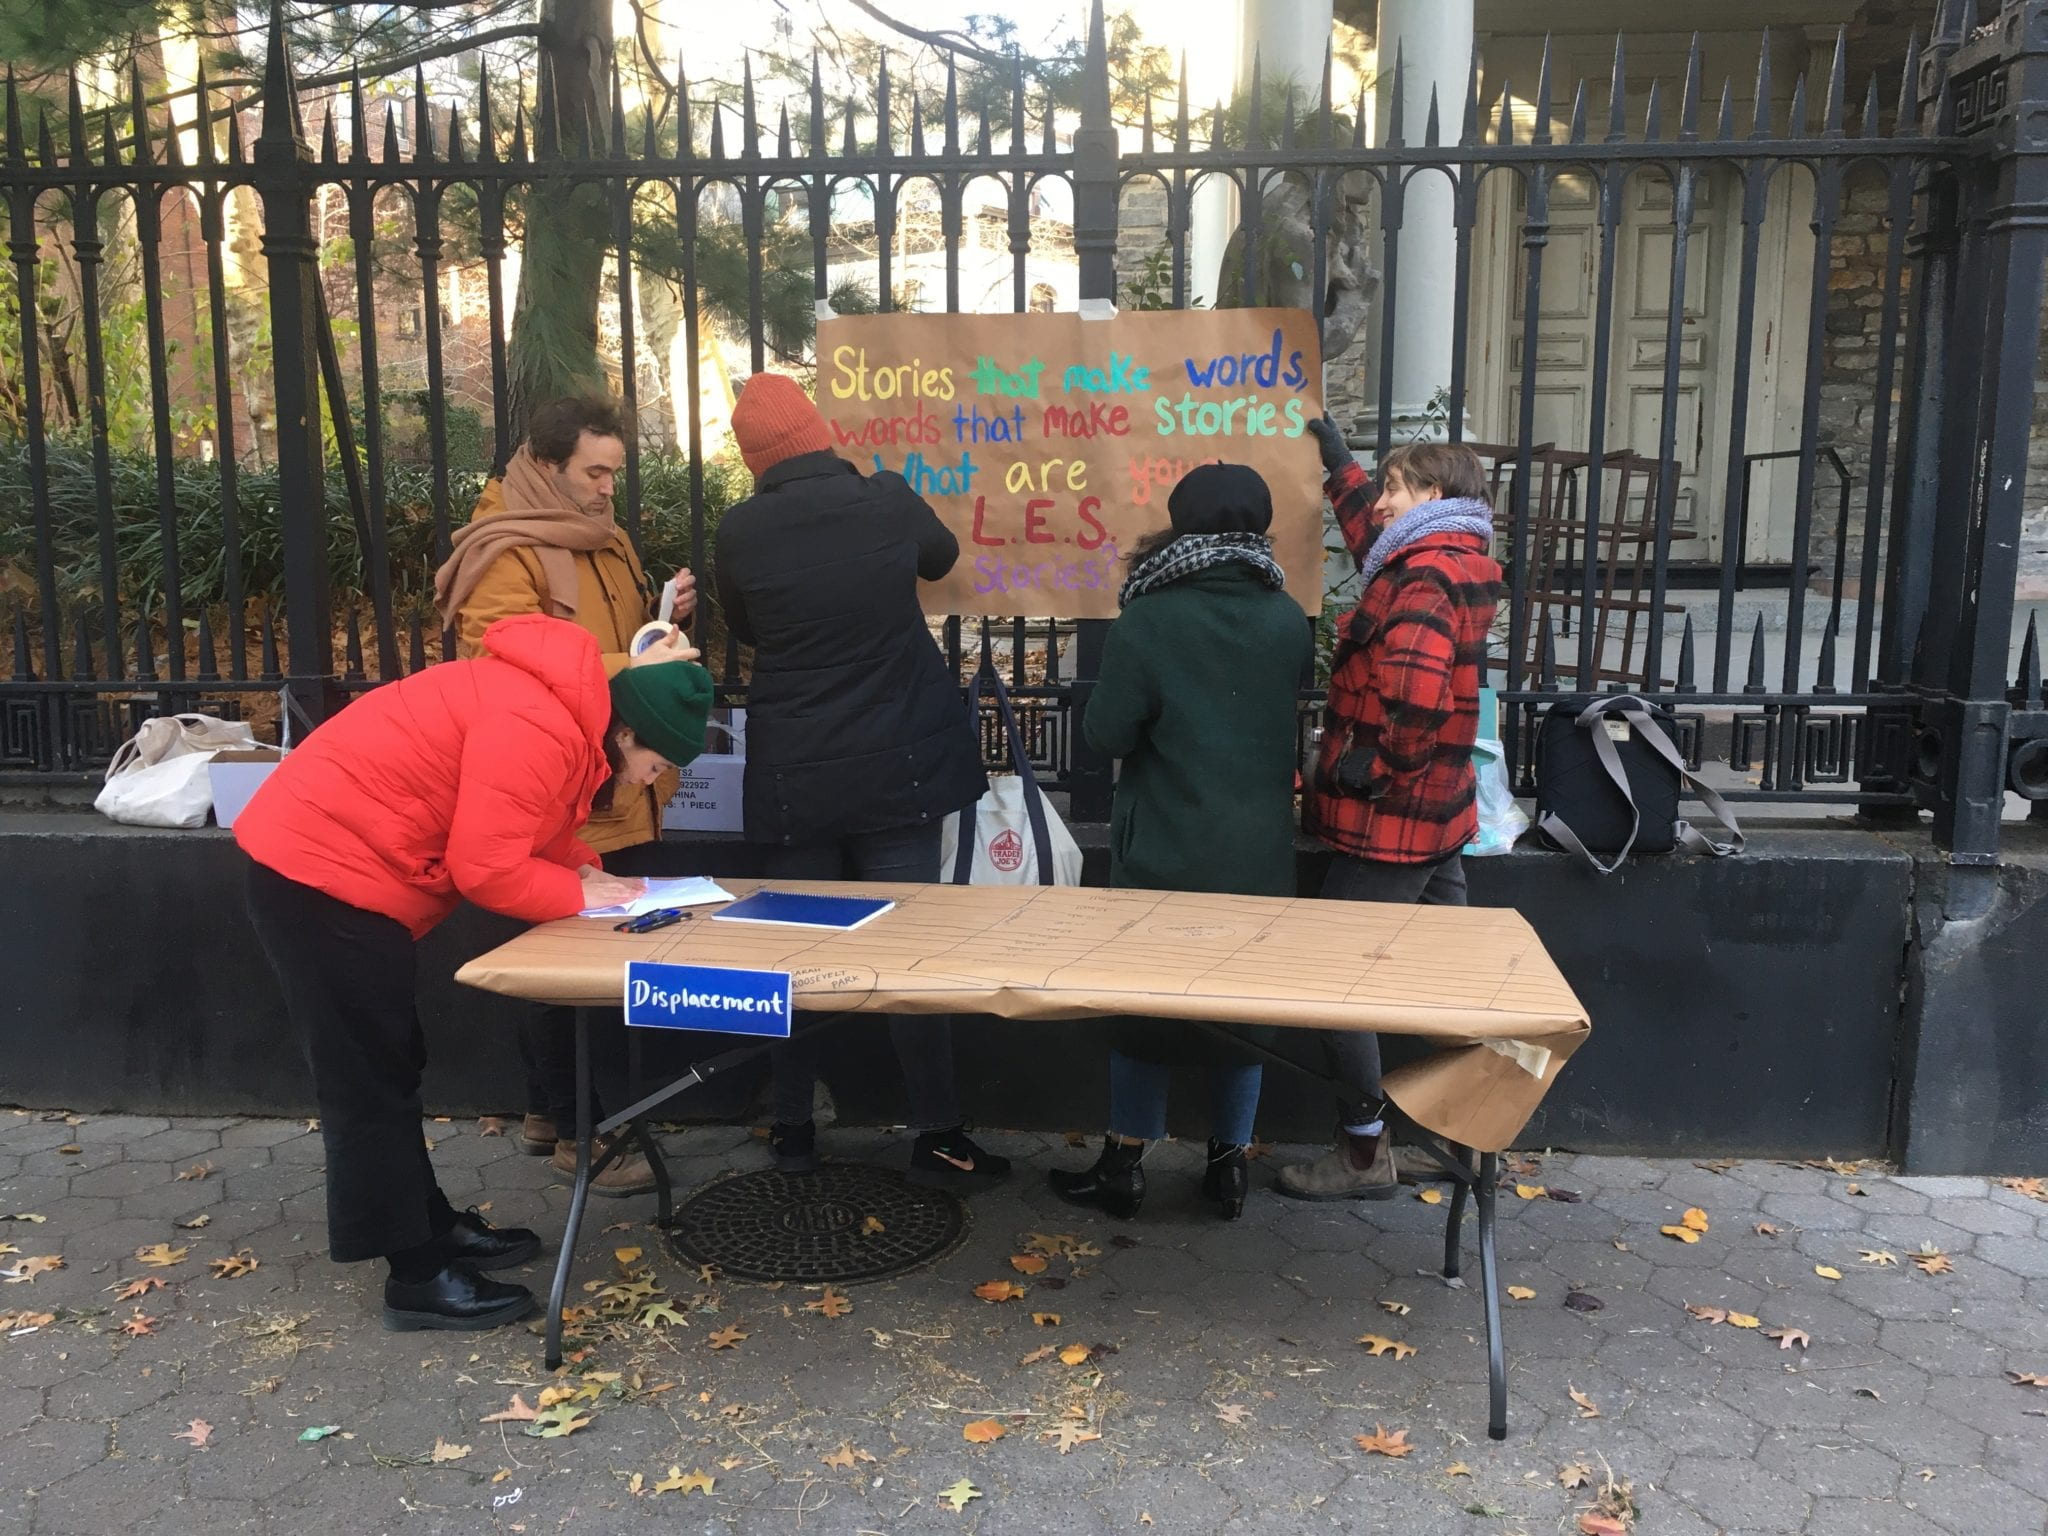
<point>1197,698</point>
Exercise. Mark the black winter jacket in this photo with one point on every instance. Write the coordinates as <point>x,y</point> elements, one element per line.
<point>853,723</point>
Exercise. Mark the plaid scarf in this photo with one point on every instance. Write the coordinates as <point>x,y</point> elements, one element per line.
<point>1193,552</point>
<point>1460,514</point>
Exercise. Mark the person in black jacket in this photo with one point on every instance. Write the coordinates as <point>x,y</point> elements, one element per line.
<point>859,743</point>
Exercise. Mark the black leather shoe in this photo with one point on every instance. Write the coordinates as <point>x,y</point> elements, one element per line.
<point>1227,1180</point>
<point>475,1242</point>
<point>457,1298</point>
<point>795,1146</point>
<point>1116,1184</point>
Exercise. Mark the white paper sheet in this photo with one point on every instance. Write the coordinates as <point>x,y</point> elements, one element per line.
<point>693,891</point>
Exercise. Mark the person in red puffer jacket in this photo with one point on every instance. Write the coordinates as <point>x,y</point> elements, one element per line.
<point>1395,795</point>
<point>466,781</point>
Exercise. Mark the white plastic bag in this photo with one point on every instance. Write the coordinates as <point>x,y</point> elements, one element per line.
<point>159,777</point>
<point>1501,819</point>
<point>1017,838</point>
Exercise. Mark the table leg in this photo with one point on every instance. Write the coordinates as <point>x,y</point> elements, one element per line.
<point>664,1195</point>
<point>578,1194</point>
<point>1489,1285</point>
<point>1454,1231</point>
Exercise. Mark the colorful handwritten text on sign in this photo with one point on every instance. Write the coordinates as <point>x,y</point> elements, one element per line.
<point>710,998</point>
<point>1049,443</point>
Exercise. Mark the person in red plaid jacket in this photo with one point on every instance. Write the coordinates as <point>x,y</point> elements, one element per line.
<point>1394,795</point>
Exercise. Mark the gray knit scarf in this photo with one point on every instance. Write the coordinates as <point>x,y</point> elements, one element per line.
<point>1193,552</point>
<point>1460,514</point>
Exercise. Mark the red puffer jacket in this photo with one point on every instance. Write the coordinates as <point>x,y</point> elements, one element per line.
<point>466,780</point>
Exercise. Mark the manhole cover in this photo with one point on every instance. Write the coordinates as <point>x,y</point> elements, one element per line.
<point>845,1223</point>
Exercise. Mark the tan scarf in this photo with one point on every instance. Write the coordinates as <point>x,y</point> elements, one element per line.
<point>536,516</point>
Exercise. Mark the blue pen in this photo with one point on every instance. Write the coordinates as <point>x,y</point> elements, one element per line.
<point>647,922</point>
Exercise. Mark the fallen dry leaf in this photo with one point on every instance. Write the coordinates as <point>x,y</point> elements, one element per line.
<point>1380,1443</point>
<point>194,1223</point>
<point>162,1255</point>
<point>2027,1378</point>
<point>685,1483</point>
<point>1377,1345</point>
<point>1531,1191</point>
<point>872,1227</point>
<point>1877,1256</point>
<point>1765,1229</point>
<point>956,1498</point>
<point>490,1125</point>
<point>1708,1314</point>
<point>1743,1320</point>
<point>2033,1189</point>
<point>1580,1301</point>
<point>1233,1413</point>
<point>1683,1234</point>
<point>235,1265</point>
<point>727,1337</point>
<point>831,1304</point>
<point>1575,1475</point>
<point>626,1256</point>
<point>196,1171</point>
<point>520,1412</point>
<point>561,1420</point>
<point>29,1268</point>
<point>1694,1218</point>
<point>1787,1337</point>
<point>1430,1196</point>
<point>1592,1523</point>
<point>1587,1408</point>
<point>983,1432</point>
<point>10,1322</point>
<point>843,1458</point>
<point>549,1396</point>
<point>1930,1260</point>
<point>1028,1263</point>
<point>1827,1271</point>
<point>138,1325</point>
<point>1068,1435</point>
<point>1045,1319</point>
<point>1398,1308</point>
<point>70,1151</point>
<point>998,1290</point>
<point>198,1432</point>
<point>1457,1469</point>
<point>445,1451</point>
<point>1521,1293</point>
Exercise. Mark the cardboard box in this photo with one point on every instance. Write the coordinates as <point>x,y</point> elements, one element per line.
<point>235,775</point>
<point>707,797</point>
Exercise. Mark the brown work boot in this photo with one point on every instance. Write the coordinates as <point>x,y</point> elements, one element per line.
<point>537,1136</point>
<point>631,1174</point>
<point>1357,1168</point>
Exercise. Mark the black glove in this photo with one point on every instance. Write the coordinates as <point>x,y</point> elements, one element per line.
<point>1330,440</point>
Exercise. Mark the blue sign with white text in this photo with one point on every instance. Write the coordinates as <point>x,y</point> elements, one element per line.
<point>705,997</point>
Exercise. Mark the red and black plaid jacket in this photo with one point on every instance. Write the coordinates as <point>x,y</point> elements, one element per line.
<point>1404,694</point>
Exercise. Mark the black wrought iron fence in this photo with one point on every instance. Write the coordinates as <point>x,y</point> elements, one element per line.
<point>138,579</point>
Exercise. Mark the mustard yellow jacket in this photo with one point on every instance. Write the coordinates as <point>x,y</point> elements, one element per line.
<point>613,598</point>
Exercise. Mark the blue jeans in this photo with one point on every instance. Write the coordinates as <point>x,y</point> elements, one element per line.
<point>1137,1100</point>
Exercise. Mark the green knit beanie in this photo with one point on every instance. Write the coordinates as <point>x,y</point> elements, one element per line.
<point>666,705</point>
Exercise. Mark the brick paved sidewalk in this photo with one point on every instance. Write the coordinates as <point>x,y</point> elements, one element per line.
<point>1898,1417</point>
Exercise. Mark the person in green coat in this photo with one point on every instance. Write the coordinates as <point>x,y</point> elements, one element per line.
<point>1196,697</point>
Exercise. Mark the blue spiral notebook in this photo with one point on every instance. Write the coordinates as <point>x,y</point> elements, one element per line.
<point>787,909</point>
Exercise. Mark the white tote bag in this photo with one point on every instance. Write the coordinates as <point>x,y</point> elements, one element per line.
<point>159,777</point>
<point>1015,838</point>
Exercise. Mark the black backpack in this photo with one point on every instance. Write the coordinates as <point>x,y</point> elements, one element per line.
<point>1608,781</point>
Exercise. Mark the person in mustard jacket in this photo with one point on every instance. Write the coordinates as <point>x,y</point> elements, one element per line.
<point>543,540</point>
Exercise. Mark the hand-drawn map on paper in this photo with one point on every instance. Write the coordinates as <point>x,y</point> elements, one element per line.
<point>1476,979</point>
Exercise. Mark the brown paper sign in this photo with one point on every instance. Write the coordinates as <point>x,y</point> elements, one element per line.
<point>1049,443</point>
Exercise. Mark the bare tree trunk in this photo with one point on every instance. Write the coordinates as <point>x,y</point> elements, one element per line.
<point>554,318</point>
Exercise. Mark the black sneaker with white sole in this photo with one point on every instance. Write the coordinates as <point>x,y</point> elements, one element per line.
<point>951,1160</point>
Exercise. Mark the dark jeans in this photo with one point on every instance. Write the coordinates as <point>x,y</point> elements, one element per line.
<point>924,1042</point>
<point>347,977</point>
<point>1354,1055</point>
<point>547,1031</point>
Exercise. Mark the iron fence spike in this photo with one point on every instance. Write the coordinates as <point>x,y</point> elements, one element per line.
<point>1824,671</point>
<point>2029,687</point>
<point>885,134</point>
<point>1617,94</point>
<point>1873,127</point>
<point>486,127</point>
<point>952,139</point>
<point>784,149</point>
<point>330,149</point>
<point>82,665</point>
<point>750,118</point>
<point>1653,114</point>
<point>1578,121</point>
<point>1395,107</point>
<point>1689,100</point>
<point>1541,133</point>
<point>271,671</point>
<point>358,118</point>
<point>353,648</point>
<point>1504,124</point>
<point>1909,82</point>
<point>24,659</point>
<point>1429,125</point>
<point>1724,129</point>
<point>1761,116</point>
<point>1095,91</point>
<point>1326,99</point>
<point>455,151</point>
<point>1795,119</point>
<point>202,118</point>
<point>74,114</point>
<point>1686,683</point>
<point>1468,128</point>
<point>17,144</point>
<point>209,666</point>
<point>416,655</point>
<point>1835,114</point>
<point>1755,682</point>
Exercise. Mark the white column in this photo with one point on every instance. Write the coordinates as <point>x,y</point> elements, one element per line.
<point>1434,41</point>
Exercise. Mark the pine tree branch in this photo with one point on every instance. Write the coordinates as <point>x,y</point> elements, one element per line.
<point>945,42</point>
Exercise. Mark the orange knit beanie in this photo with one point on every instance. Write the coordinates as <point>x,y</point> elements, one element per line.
<point>775,420</point>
